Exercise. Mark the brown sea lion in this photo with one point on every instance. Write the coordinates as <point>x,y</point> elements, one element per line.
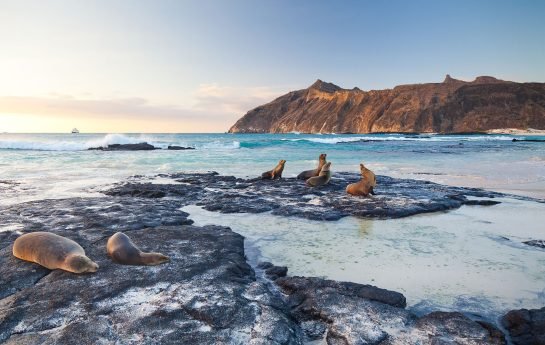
<point>53,251</point>
<point>316,172</point>
<point>365,186</point>
<point>123,251</point>
<point>275,173</point>
<point>322,179</point>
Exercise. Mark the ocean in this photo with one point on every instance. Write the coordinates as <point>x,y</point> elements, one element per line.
<point>471,259</point>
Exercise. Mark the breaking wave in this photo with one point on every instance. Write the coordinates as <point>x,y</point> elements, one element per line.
<point>337,140</point>
<point>76,144</point>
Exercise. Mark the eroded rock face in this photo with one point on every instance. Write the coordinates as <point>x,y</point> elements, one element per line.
<point>394,198</point>
<point>449,107</point>
<point>525,327</point>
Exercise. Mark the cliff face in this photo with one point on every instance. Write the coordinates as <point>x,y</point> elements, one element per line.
<point>447,107</point>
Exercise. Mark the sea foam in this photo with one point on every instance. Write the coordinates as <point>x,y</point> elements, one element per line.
<point>77,144</point>
<point>341,139</point>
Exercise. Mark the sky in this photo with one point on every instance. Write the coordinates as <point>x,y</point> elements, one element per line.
<point>179,66</point>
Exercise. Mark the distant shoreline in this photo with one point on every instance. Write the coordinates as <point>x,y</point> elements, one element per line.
<point>515,131</point>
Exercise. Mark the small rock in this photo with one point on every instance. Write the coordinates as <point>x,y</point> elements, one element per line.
<point>126,147</point>
<point>535,243</point>
<point>526,327</point>
<point>174,147</point>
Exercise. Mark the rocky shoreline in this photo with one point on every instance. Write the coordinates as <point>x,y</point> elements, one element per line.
<point>208,293</point>
<point>395,198</point>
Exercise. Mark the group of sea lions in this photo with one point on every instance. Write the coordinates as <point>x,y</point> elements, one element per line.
<point>322,175</point>
<point>53,251</point>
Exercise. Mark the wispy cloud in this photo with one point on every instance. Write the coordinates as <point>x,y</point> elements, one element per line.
<point>211,102</point>
<point>233,100</point>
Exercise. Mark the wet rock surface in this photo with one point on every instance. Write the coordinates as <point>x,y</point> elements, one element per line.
<point>394,198</point>
<point>525,327</point>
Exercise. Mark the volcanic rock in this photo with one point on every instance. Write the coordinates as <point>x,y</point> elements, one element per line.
<point>526,327</point>
<point>126,147</point>
<point>395,198</point>
<point>453,106</point>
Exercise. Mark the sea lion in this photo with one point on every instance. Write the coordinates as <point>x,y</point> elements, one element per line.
<point>305,175</point>
<point>123,251</point>
<point>323,178</point>
<point>275,173</point>
<point>53,251</point>
<point>365,186</point>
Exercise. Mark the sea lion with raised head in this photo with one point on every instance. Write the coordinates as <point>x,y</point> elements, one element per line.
<point>53,251</point>
<point>275,173</point>
<point>365,186</point>
<point>322,179</point>
<point>123,251</point>
<point>305,175</point>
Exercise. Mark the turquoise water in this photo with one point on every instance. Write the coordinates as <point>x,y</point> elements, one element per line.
<point>59,165</point>
<point>471,259</point>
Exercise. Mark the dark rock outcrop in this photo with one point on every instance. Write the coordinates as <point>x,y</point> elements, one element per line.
<point>349,313</point>
<point>126,147</point>
<point>536,243</point>
<point>529,140</point>
<point>525,327</point>
<point>453,106</point>
<point>174,147</point>
<point>291,197</point>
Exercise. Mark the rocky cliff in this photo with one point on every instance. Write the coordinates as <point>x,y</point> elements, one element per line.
<point>448,107</point>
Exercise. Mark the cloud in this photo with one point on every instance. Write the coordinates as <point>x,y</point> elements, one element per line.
<point>211,102</point>
<point>68,106</point>
<point>233,100</point>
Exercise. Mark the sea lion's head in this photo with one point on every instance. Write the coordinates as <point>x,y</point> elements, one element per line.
<point>81,264</point>
<point>322,157</point>
<point>155,258</point>
<point>363,169</point>
<point>326,167</point>
<point>282,162</point>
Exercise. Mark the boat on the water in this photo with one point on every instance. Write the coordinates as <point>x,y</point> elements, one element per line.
<point>75,131</point>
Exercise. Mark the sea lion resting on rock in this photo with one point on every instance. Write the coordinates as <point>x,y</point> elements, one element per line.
<point>322,179</point>
<point>305,175</point>
<point>53,251</point>
<point>275,173</point>
<point>124,251</point>
<point>365,186</point>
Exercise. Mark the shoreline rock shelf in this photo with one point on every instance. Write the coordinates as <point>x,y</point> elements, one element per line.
<point>208,293</point>
<point>395,198</point>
